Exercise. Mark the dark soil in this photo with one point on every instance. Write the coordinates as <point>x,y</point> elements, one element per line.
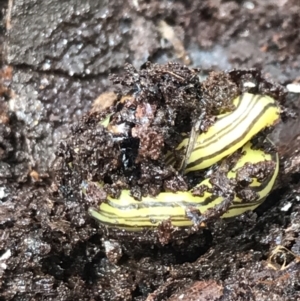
<point>56,85</point>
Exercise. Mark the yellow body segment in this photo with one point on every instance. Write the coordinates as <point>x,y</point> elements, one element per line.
<point>130,214</point>
<point>232,130</point>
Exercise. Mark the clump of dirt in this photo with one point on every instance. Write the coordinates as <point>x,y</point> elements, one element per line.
<point>160,104</point>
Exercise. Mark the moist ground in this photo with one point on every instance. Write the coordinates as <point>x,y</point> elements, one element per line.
<point>57,58</point>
